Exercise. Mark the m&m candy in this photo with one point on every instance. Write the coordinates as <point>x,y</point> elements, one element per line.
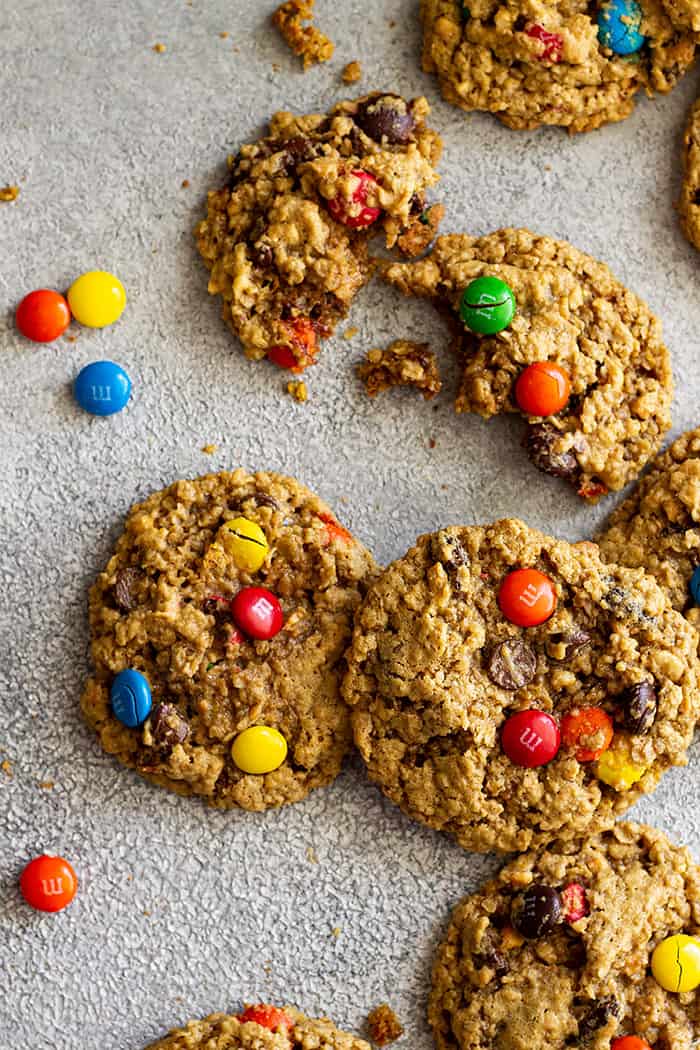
<point>355,212</point>
<point>267,1016</point>
<point>531,738</point>
<point>589,731</point>
<point>130,697</point>
<point>245,541</point>
<point>258,613</point>
<point>543,389</point>
<point>695,585</point>
<point>97,298</point>
<point>629,1042</point>
<point>48,883</point>
<point>527,597</point>
<point>259,749</point>
<point>616,768</point>
<point>43,315</point>
<point>102,388</point>
<point>619,26</point>
<point>487,306</point>
<point>675,963</point>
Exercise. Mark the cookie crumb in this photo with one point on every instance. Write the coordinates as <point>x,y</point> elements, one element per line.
<point>297,388</point>
<point>421,230</point>
<point>223,34</point>
<point>403,363</point>
<point>383,1025</point>
<point>350,333</point>
<point>9,193</point>
<point>432,442</point>
<point>47,785</point>
<point>352,73</point>
<point>6,767</point>
<point>209,450</point>
<point>311,855</point>
<point>336,931</point>
<point>159,48</point>
<point>185,183</point>
<point>72,338</point>
<point>308,42</point>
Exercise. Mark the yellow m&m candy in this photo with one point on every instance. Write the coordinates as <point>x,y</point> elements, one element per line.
<point>245,542</point>
<point>259,749</point>
<point>675,963</point>
<point>616,768</point>
<point>97,298</point>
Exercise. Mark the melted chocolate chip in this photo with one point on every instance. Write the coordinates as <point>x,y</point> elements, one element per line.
<point>262,256</point>
<point>494,959</point>
<point>539,442</point>
<point>598,1016</point>
<point>572,642</point>
<point>386,118</point>
<point>511,664</point>
<point>123,588</point>
<point>639,706</point>
<point>168,727</point>
<point>297,151</point>
<point>536,911</point>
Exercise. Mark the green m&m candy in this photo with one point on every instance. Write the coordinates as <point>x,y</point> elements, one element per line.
<point>487,306</point>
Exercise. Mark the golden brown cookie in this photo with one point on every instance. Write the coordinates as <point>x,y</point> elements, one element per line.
<point>163,607</point>
<point>286,238</point>
<point>506,735</point>
<point>403,363</point>
<point>571,311</point>
<point>260,1027</point>
<point>534,63</point>
<point>592,912</point>
<point>689,205</point>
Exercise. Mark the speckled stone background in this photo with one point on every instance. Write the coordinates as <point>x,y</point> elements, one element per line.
<point>182,911</point>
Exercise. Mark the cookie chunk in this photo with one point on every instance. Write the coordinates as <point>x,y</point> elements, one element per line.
<point>572,313</point>
<point>286,238</point>
<point>260,1028</point>
<point>404,363</point>
<point>657,527</point>
<point>306,41</point>
<point>164,607</point>
<point>555,951</point>
<point>535,63</point>
<point>689,205</point>
<point>384,1026</point>
<point>510,688</point>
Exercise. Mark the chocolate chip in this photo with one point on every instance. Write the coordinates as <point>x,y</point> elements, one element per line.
<point>168,727</point>
<point>511,664</point>
<point>123,588</point>
<point>624,605</point>
<point>297,151</point>
<point>494,959</point>
<point>262,255</point>
<point>564,646</point>
<point>598,1016</point>
<point>386,117</point>
<point>263,500</point>
<point>536,911</point>
<point>539,442</point>
<point>639,706</point>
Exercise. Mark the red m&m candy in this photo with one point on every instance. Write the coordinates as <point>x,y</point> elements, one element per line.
<point>531,738</point>
<point>527,597</point>
<point>43,315</point>
<point>543,389</point>
<point>48,883</point>
<point>629,1042</point>
<point>355,212</point>
<point>267,1017</point>
<point>552,43</point>
<point>258,613</point>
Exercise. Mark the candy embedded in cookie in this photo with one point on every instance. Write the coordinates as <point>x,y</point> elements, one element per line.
<point>286,240</point>
<point>569,63</point>
<point>509,731</point>
<point>575,353</point>
<point>521,967</point>
<point>218,631</point>
<point>261,1027</point>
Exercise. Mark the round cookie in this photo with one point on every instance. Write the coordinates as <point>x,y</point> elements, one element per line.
<point>534,63</point>
<point>689,204</point>
<point>230,1032</point>
<point>286,238</point>
<point>570,310</point>
<point>657,527</point>
<point>163,607</point>
<point>436,671</point>
<point>586,979</point>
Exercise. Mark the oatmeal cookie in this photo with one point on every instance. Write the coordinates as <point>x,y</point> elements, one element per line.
<point>569,311</point>
<point>689,205</point>
<point>403,363</point>
<point>511,688</point>
<point>163,607</point>
<point>260,1028</point>
<point>534,63</point>
<point>592,913</point>
<point>306,41</point>
<point>286,238</point>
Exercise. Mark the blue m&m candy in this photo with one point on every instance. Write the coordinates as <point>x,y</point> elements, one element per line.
<point>619,26</point>
<point>695,585</point>
<point>102,388</point>
<point>130,697</point>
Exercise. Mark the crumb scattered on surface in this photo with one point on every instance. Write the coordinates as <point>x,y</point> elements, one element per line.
<point>47,785</point>
<point>209,450</point>
<point>350,333</point>
<point>185,183</point>
<point>297,388</point>
<point>311,855</point>
<point>9,193</point>
<point>336,931</point>
<point>159,48</point>
<point>352,73</point>
<point>72,338</point>
<point>432,442</point>
<point>308,42</point>
<point>403,363</point>
<point>6,767</point>
<point>146,912</point>
<point>223,34</point>
<point>419,235</point>
<point>383,1025</point>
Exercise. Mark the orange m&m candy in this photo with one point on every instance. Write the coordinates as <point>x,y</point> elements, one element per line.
<point>588,726</point>
<point>48,883</point>
<point>527,597</point>
<point>267,1016</point>
<point>629,1042</point>
<point>543,389</point>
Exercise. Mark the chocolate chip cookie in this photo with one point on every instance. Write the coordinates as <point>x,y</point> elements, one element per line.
<point>556,950</point>
<point>286,238</point>
<point>657,527</point>
<point>232,598</point>
<point>510,688</point>
<point>689,205</point>
<point>260,1027</point>
<point>568,311</point>
<point>569,63</point>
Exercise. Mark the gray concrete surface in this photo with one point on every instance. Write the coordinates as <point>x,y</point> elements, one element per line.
<point>181,910</point>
